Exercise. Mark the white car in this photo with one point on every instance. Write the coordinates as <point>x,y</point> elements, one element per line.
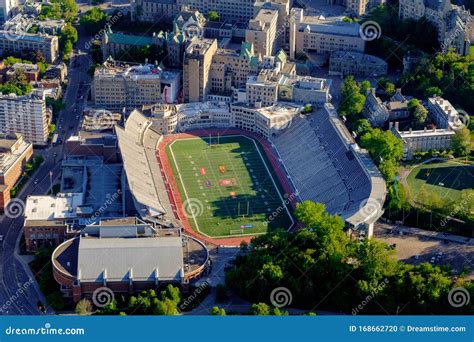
<point>432,260</point>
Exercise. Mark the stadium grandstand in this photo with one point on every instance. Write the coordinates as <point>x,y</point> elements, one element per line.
<point>320,157</point>
<point>138,142</point>
<point>326,165</point>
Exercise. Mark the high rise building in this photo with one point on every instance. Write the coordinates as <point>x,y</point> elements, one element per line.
<point>196,68</point>
<point>26,115</point>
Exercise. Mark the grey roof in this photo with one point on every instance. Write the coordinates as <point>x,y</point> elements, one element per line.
<point>120,259</point>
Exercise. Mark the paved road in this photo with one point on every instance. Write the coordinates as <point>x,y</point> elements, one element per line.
<point>18,295</point>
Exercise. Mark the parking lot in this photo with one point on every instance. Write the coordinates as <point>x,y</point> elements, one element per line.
<point>415,249</point>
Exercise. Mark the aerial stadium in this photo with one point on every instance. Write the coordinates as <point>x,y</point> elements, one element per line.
<point>225,173</point>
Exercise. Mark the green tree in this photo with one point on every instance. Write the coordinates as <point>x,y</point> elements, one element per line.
<point>260,309</point>
<point>461,142</point>
<point>83,307</point>
<point>216,311</point>
<point>352,101</point>
<point>213,16</point>
<point>93,20</point>
<point>386,150</point>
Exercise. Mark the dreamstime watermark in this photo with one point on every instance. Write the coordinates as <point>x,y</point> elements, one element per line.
<point>287,200</point>
<point>193,296</point>
<point>370,207</point>
<point>102,296</point>
<point>446,43</point>
<point>108,202</point>
<point>14,33</point>
<point>370,30</point>
<point>192,29</point>
<point>102,119</point>
<point>102,32</point>
<point>15,208</point>
<point>280,297</point>
<point>19,292</point>
<point>193,207</point>
<point>184,126</point>
<point>457,209</point>
<point>461,120</point>
<point>46,330</point>
<point>370,297</point>
<point>458,297</point>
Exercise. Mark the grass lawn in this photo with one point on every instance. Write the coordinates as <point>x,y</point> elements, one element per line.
<point>446,179</point>
<point>226,188</point>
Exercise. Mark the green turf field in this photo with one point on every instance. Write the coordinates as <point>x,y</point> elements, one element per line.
<point>446,179</point>
<point>226,187</point>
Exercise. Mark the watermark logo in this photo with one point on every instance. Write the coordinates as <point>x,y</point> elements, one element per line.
<point>459,296</point>
<point>191,30</point>
<point>461,120</point>
<point>193,296</point>
<point>15,208</point>
<point>370,30</point>
<point>193,207</point>
<point>102,297</point>
<point>370,207</point>
<point>102,119</point>
<point>370,297</point>
<point>13,33</point>
<point>280,297</point>
<point>109,23</point>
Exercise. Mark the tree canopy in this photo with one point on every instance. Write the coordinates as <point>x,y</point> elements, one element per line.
<point>326,270</point>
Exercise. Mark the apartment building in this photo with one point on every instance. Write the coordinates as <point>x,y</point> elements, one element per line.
<point>263,88</point>
<point>153,10</point>
<point>423,140</point>
<point>380,112</point>
<point>271,86</point>
<point>118,86</point>
<point>455,24</point>
<point>361,7</point>
<point>18,43</point>
<point>6,7</point>
<point>227,9</point>
<point>26,115</point>
<point>265,121</point>
<point>14,153</point>
<point>356,63</point>
<point>443,113</point>
<point>261,32</point>
<point>283,9</point>
<point>196,69</point>
<point>316,34</point>
<point>230,68</point>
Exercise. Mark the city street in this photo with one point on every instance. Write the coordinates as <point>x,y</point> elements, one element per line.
<point>16,290</point>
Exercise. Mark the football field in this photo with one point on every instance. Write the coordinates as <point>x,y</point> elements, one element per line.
<point>226,186</point>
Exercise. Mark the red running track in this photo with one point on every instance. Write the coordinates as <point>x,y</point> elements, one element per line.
<point>173,191</point>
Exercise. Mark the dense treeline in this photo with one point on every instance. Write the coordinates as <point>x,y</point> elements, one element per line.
<point>325,270</point>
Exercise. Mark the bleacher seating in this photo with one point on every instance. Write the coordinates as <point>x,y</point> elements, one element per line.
<point>321,165</point>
